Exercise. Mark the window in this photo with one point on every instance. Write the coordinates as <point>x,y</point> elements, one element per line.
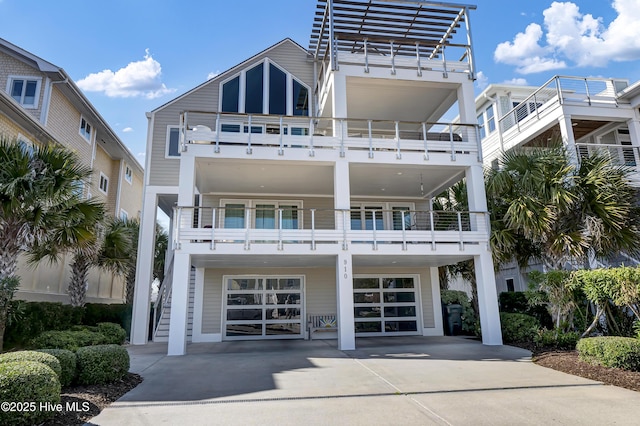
<point>491,121</point>
<point>128,174</point>
<point>85,129</point>
<point>510,285</point>
<point>483,132</point>
<point>104,183</point>
<point>266,89</point>
<point>124,215</point>
<point>24,90</point>
<point>487,121</point>
<point>25,144</point>
<point>173,142</point>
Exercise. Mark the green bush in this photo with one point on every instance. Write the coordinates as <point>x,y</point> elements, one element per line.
<point>518,328</point>
<point>70,340</point>
<point>27,382</point>
<point>556,339</point>
<point>102,364</point>
<point>38,317</point>
<point>469,319</point>
<point>67,361</point>
<point>46,359</point>
<point>113,332</point>
<point>611,351</point>
<point>95,313</point>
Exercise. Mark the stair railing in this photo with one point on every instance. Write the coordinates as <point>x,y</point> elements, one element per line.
<point>160,305</point>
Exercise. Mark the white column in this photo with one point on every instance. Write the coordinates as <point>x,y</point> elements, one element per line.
<point>144,270</point>
<point>437,303</point>
<point>467,103</point>
<point>487,299</point>
<point>179,304</point>
<point>568,139</point>
<point>339,101</point>
<point>341,193</point>
<point>634,134</point>
<point>187,183</point>
<point>344,283</point>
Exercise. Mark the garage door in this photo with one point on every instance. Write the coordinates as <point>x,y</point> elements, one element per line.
<point>385,306</point>
<point>263,308</point>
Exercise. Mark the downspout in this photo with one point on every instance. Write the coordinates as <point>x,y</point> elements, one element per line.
<point>46,102</point>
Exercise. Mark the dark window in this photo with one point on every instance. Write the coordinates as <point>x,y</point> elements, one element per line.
<point>300,99</point>
<point>254,90</point>
<point>174,142</point>
<point>510,284</point>
<point>230,95</point>
<point>277,91</point>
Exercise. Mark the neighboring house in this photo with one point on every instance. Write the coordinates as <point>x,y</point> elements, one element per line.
<point>587,114</point>
<point>299,185</point>
<point>40,104</point>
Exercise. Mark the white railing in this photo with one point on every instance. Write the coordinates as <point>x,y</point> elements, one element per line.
<point>161,304</point>
<point>559,90</point>
<point>313,133</point>
<point>292,226</point>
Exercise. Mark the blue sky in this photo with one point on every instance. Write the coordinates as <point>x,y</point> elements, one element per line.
<point>131,56</point>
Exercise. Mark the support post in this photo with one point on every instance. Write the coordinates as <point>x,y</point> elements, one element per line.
<point>344,291</point>
<point>179,304</point>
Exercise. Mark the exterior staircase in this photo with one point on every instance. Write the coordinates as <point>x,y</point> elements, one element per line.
<point>161,330</point>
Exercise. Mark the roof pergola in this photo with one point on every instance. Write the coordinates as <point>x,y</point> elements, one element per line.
<point>410,26</point>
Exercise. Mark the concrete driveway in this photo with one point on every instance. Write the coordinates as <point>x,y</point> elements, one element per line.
<point>386,381</point>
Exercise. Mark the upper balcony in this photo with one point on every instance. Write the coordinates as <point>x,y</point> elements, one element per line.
<point>286,134</point>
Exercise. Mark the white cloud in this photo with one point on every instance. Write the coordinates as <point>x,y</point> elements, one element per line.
<point>141,156</point>
<point>573,36</point>
<point>137,79</point>
<point>127,130</point>
<point>213,74</point>
<point>516,82</point>
<point>482,81</point>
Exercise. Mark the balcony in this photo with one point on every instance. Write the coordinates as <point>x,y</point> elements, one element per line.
<point>245,227</point>
<point>311,134</point>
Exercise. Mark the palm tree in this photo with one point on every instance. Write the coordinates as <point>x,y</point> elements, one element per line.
<point>162,245</point>
<point>36,188</point>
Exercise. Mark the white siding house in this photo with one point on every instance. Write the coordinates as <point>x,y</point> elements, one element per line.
<point>299,184</point>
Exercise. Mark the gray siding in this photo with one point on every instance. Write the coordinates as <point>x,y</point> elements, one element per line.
<point>164,172</point>
<point>212,302</point>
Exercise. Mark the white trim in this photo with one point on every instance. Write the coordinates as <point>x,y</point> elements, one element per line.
<point>123,212</point>
<point>151,118</point>
<point>46,102</point>
<point>38,80</point>
<point>119,189</point>
<point>438,328</point>
<point>129,180</point>
<point>91,129</point>
<point>198,301</point>
<point>167,142</point>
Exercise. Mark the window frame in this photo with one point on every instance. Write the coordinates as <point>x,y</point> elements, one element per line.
<point>103,178</point>
<point>13,78</point>
<point>128,174</point>
<point>82,132</point>
<point>124,215</point>
<point>167,148</point>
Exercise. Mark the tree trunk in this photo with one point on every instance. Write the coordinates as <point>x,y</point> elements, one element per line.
<point>130,285</point>
<point>599,312</point>
<point>78,284</point>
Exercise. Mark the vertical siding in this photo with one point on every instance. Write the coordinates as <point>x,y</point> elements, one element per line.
<point>164,171</point>
<point>212,301</point>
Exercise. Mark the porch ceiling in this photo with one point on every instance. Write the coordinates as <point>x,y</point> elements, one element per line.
<point>378,99</point>
<point>581,128</point>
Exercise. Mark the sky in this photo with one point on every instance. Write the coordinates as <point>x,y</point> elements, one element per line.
<point>132,56</point>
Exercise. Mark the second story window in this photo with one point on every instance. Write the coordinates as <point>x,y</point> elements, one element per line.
<point>128,174</point>
<point>173,142</point>
<point>85,129</point>
<point>24,90</point>
<point>104,183</point>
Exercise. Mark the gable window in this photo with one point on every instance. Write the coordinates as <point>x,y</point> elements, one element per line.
<point>265,88</point>
<point>24,90</point>
<point>104,183</point>
<point>85,129</point>
<point>173,142</point>
<point>128,174</point>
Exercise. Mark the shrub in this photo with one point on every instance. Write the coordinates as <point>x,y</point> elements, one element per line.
<point>70,340</point>
<point>67,361</point>
<point>95,313</point>
<point>38,317</point>
<point>611,351</point>
<point>46,359</point>
<point>28,381</point>
<point>518,328</point>
<point>102,364</point>
<point>556,339</point>
<point>113,332</point>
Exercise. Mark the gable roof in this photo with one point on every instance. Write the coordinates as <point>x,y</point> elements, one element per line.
<point>111,142</point>
<point>230,71</point>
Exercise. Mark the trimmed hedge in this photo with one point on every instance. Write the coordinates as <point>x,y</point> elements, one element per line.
<point>102,364</point>
<point>38,317</point>
<point>95,313</point>
<point>70,340</point>
<point>556,339</point>
<point>517,328</point>
<point>46,359</point>
<point>516,302</point>
<point>115,334</point>
<point>67,361</point>
<point>611,351</point>
<point>28,382</point>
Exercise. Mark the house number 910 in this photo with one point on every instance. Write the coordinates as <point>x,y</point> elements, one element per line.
<point>345,269</point>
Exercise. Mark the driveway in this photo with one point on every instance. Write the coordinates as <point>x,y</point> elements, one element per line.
<point>386,381</point>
